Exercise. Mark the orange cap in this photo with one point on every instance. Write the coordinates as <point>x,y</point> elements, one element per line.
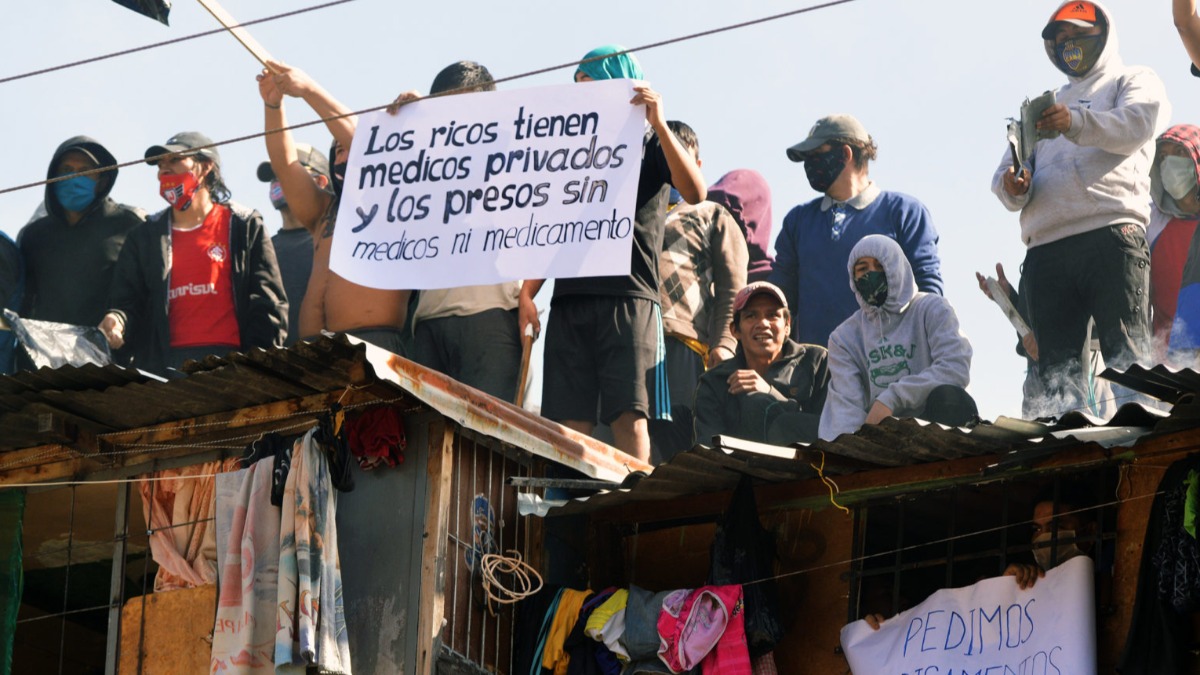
<point>1076,11</point>
<point>1079,13</point>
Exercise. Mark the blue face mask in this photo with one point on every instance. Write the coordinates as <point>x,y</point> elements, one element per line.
<point>76,193</point>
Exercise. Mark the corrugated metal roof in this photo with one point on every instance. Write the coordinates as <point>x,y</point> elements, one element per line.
<point>1161,382</point>
<point>112,399</point>
<point>891,443</point>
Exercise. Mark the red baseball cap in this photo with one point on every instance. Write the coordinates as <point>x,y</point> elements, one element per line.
<point>756,288</point>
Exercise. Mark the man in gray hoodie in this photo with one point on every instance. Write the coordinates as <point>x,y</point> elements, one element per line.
<point>1085,200</point>
<point>901,354</point>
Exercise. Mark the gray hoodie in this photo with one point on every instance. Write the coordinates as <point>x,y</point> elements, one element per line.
<point>1098,172</point>
<point>896,353</point>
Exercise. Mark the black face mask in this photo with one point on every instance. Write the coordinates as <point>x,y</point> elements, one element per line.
<point>337,174</point>
<point>823,169</point>
<point>1077,56</point>
<point>873,287</point>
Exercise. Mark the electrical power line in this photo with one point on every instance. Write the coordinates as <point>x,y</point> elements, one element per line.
<point>164,43</point>
<point>510,78</point>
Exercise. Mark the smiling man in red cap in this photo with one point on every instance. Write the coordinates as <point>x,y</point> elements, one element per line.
<point>1084,200</point>
<point>773,389</point>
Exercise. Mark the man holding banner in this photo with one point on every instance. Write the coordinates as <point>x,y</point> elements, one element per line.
<point>470,332</point>
<point>332,302</point>
<point>604,344</point>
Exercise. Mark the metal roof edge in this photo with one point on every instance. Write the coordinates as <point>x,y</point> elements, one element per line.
<point>499,419</point>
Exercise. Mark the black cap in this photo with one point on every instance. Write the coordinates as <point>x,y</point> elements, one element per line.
<point>83,149</point>
<point>185,143</point>
<point>309,157</point>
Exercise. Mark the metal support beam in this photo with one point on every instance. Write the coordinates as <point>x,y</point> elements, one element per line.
<point>116,591</point>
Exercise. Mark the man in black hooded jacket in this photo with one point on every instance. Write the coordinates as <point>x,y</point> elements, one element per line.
<point>70,252</point>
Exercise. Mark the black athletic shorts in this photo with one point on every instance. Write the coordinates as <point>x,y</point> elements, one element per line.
<point>604,349</point>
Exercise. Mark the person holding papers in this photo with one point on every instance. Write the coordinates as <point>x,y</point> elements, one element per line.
<point>1084,199</point>
<point>604,338</point>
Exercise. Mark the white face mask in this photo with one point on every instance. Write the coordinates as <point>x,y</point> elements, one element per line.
<point>1178,175</point>
<point>1041,550</point>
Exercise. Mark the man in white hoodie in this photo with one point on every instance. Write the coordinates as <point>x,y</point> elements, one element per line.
<point>1085,200</point>
<point>901,354</point>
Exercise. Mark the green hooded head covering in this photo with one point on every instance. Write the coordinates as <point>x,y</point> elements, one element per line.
<point>613,67</point>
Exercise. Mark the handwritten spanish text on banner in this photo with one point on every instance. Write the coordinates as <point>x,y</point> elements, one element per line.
<point>991,628</point>
<point>488,187</point>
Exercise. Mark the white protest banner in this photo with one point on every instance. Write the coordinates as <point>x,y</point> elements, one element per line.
<point>487,187</point>
<point>991,628</point>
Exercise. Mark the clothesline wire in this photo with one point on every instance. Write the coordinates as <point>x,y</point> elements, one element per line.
<point>165,43</point>
<point>510,78</point>
<point>525,586</point>
<point>172,526</point>
<point>268,418</point>
<point>946,540</point>
<point>64,613</point>
<point>107,481</point>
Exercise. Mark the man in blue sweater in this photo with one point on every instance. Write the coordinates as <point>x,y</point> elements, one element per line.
<point>817,237</point>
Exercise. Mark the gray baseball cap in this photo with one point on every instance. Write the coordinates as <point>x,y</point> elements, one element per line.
<point>184,143</point>
<point>309,157</point>
<point>827,129</point>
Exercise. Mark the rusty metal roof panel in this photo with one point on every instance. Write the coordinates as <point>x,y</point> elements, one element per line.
<point>699,470</point>
<point>490,416</point>
<point>118,398</point>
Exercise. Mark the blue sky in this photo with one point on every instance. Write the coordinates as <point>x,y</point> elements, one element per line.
<point>932,81</point>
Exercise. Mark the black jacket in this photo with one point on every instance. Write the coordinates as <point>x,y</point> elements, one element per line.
<point>791,412</point>
<point>142,278</point>
<point>69,268</point>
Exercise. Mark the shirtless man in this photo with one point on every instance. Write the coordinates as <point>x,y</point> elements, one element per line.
<point>331,302</point>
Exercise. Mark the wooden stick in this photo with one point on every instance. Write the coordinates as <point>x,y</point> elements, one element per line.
<point>526,350</point>
<point>239,33</point>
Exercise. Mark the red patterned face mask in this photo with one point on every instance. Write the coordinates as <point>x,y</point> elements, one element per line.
<point>178,189</point>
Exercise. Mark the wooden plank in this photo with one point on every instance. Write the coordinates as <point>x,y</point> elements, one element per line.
<point>211,427</point>
<point>57,462</point>
<point>174,635</point>
<point>534,551</point>
<point>440,468</point>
